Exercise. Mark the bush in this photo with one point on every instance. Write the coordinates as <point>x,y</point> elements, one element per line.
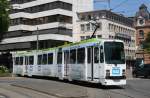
<point>3,69</point>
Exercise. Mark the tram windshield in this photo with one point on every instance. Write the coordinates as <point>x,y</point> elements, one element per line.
<point>114,53</point>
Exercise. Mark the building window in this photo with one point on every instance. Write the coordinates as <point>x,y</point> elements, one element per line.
<point>141,44</point>
<point>82,37</point>
<point>41,20</point>
<point>94,36</point>
<point>88,27</point>
<point>141,34</point>
<point>99,36</point>
<point>88,37</point>
<point>82,27</point>
<point>44,7</point>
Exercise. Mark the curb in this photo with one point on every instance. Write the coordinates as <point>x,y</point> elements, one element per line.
<point>11,78</point>
<point>48,93</point>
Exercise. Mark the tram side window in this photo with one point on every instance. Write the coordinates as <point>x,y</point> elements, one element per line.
<point>81,55</point>
<point>50,58</point>
<point>101,54</point>
<point>39,59</point>
<point>21,61</point>
<point>26,60</point>
<point>96,55</point>
<point>17,61</point>
<point>59,58</point>
<point>44,59</point>
<point>31,60</point>
<point>66,57</point>
<point>89,50</point>
<point>73,56</point>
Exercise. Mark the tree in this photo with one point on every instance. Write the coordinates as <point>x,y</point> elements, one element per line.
<point>146,43</point>
<point>4,17</point>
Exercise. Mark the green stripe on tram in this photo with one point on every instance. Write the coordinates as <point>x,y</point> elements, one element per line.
<point>50,49</point>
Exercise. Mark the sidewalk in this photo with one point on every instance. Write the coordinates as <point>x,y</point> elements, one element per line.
<point>129,74</point>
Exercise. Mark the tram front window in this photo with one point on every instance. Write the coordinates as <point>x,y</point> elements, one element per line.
<point>114,53</point>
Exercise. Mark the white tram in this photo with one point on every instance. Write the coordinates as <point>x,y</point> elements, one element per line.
<point>94,60</point>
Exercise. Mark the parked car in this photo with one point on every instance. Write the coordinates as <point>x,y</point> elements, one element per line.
<point>141,70</point>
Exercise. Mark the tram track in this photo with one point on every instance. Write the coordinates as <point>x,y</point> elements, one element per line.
<point>108,93</point>
<point>34,89</point>
<point>126,92</point>
<point>3,96</point>
<point>19,92</point>
<point>144,93</point>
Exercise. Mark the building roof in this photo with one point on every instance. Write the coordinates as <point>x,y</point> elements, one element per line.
<point>143,12</point>
<point>107,14</point>
<point>143,6</point>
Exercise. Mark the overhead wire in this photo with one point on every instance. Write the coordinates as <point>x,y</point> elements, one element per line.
<point>125,1</point>
<point>122,3</point>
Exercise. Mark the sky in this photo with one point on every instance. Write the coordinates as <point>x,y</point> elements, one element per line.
<point>125,7</point>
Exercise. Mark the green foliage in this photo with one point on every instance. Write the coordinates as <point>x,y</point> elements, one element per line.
<point>4,72</point>
<point>3,69</point>
<point>4,17</point>
<point>146,44</point>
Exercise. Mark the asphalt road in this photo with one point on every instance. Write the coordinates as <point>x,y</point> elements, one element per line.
<point>47,88</point>
<point>9,91</point>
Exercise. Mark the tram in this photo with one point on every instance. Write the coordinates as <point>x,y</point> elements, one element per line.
<point>93,60</point>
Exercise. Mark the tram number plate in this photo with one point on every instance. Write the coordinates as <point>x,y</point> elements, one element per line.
<point>115,71</point>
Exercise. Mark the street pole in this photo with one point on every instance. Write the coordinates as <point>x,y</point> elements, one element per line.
<point>37,39</point>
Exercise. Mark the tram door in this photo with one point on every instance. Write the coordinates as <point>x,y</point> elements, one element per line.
<point>26,65</point>
<point>66,63</point>
<point>93,63</point>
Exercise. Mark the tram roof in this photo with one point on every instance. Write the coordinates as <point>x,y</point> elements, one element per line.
<point>63,46</point>
<point>77,43</point>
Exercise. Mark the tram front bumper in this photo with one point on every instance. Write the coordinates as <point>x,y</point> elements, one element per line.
<point>111,82</point>
<point>115,77</point>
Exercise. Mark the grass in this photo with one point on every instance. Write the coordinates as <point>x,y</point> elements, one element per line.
<point>5,74</point>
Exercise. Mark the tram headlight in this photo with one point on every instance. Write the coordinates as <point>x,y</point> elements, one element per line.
<point>123,72</point>
<point>107,72</point>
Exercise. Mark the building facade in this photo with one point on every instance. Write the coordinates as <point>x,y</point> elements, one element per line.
<point>142,25</point>
<point>46,22</point>
<point>111,26</point>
